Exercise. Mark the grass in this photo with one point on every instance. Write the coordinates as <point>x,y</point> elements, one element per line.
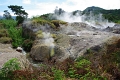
<point>59,22</point>
<point>8,23</point>
<point>10,33</point>
<point>8,67</point>
<point>4,33</point>
<point>16,35</point>
<point>102,65</point>
<point>5,40</point>
<point>39,21</point>
<point>98,66</point>
<point>52,23</point>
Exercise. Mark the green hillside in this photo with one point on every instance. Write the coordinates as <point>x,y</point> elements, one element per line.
<point>111,15</point>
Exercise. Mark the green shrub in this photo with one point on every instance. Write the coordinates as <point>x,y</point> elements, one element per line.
<point>9,23</point>
<point>59,22</point>
<point>82,63</point>
<point>20,19</point>
<point>39,34</point>
<point>58,74</point>
<point>9,67</point>
<point>40,21</point>
<point>13,32</point>
<point>27,44</point>
<point>1,25</point>
<point>4,33</point>
<point>71,73</point>
<point>91,76</point>
<point>16,35</point>
<point>5,40</point>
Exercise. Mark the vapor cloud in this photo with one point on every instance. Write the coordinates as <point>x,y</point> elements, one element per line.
<point>26,1</point>
<point>40,7</point>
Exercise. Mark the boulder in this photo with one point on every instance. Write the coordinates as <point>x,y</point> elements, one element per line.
<point>40,52</point>
<point>7,53</point>
<point>43,53</point>
<point>114,29</point>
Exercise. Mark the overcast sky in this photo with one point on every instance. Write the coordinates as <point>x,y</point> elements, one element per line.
<point>39,7</point>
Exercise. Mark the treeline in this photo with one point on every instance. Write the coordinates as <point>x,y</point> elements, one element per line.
<point>111,15</point>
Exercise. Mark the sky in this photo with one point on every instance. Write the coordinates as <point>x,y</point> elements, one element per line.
<point>39,7</point>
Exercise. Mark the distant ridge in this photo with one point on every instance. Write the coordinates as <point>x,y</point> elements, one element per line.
<point>13,17</point>
<point>92,9</point>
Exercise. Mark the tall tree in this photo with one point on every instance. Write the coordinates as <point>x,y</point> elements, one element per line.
<point>21,14</point>
<point>58,11</point>
<point>7,15</point>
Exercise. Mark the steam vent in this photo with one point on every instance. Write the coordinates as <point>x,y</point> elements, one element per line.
<point>69,40</point>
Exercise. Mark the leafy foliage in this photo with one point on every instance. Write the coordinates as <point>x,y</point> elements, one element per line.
<point>81,63</point>
<point>21,14</point>
<point>5,40</point>
<point>27,44</point>
<point>4,33</point>
<point>9,67</point>
<point>58,74</point>
<point>55,24</point>
<point>58,11</point>
<point>18,10</point>
<point>111,15</point>
<point>7,15</point>
<point>4,36</point>
<point>37,20</point>
<point>16,35</point>
<point>8,23</point>
<point>11,31</point>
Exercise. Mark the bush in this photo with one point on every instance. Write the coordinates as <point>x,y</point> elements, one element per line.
<point>59,22</point>
<point>20,19</point>
<point>27,44</point>
<point>71,72</point>
<point>9,67</point>
<point>13,32</point>
<point>43,22</point>
<point>16,35</point>
<point>4,33</point>
<point>81,63</point>
<point>9,23</point>
<point>58,74</point>
<point>39,34</point>
<point>1,25</point>
<point>5,40</point>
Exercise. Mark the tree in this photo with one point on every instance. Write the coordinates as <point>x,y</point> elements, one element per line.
<point>21,14</point>
<point>58,11</point>
<point>7,15</point>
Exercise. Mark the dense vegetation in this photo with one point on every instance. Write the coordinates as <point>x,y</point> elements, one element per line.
<point>111,15</point>
<point>10,33</point>
<point>101,65</point>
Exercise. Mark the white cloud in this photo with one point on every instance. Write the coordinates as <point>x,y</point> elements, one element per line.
<point>106,4</point>
<point>26,1</point>
<point>1,13</point>
<point>40,8</point>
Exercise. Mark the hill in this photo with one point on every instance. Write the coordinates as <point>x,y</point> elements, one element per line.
<point>111,15</point>
<point>92,9</point>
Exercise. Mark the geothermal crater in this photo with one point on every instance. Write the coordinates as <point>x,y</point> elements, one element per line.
<point>69,41</point>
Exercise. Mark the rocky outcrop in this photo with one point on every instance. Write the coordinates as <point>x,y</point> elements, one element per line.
<point>6,53</point>
<point>71,40</point>
<point>29,29</point>
<point>114,29</point>
<point>43,53</point>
